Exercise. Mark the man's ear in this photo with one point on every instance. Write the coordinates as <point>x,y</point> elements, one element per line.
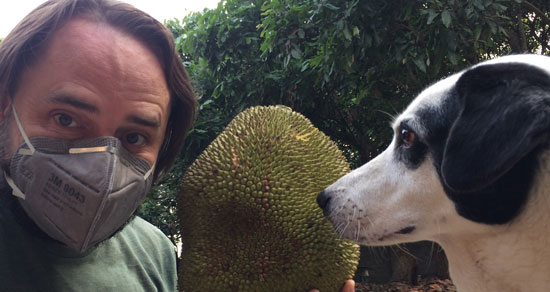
<point>505,115</point>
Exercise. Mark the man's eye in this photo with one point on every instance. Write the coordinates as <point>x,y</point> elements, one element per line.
<point>65,120</point>
<point>134,139</point>
<point>408,137</point>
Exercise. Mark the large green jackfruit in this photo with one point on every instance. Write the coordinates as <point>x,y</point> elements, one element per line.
<point>248,213</point>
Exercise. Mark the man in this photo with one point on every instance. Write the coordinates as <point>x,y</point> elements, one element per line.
<point>94,106</point>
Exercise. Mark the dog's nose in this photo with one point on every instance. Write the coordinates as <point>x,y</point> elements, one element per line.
<point>322,199</point>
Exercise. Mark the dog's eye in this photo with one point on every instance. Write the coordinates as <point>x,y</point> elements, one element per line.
<point>407,137</point>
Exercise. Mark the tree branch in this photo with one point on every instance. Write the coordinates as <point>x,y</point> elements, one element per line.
<point>537,11</point>
<point>514,41</point>
<point>521,34</point>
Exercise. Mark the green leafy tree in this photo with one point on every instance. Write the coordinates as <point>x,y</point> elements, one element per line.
<point>344,64</point>
<point>348,65</point>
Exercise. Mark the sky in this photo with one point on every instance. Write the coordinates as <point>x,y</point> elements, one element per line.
<point>11,12</point>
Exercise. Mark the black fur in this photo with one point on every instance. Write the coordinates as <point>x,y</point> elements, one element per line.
<point>438,121</point>
<point>486,136</point>
<point>505,115</point>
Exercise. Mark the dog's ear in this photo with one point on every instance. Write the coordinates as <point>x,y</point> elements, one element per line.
<point>505,114</point>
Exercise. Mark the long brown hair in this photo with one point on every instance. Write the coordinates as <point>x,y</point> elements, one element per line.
<point>26,42</point>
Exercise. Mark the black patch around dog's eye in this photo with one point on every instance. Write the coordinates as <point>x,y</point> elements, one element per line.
<point>409,149</point>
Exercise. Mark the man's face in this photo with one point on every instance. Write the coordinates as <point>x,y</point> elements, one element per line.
<point>93,80</point>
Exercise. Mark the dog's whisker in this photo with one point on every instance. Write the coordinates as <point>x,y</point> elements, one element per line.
<point>438,228</point>
<point>406,251</point>
<point>345,227</point>
<point>358,230</point>
<point>358,220</point>
<point>330,213</point>
<point>370,221</point>
<point>338,228</point>
<point>333,212</point>
<point>392,117</point>
<point>432,248</point>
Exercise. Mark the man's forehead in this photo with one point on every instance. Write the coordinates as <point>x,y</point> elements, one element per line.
<point>94,47</point>
<point>81,36</point>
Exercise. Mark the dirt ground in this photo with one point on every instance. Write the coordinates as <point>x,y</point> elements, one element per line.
<point>425,285</point>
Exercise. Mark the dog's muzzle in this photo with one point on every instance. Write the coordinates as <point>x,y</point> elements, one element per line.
<point>323,200</point>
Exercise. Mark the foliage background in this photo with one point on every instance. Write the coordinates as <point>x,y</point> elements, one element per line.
<point>347,65</point>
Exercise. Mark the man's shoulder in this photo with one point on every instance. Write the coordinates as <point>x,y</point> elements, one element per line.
<point>142,225</point>
<point>141,242</point>
<point>146,235</point>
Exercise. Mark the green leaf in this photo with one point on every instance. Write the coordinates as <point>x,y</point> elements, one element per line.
<point>431,16</point>
<point>479,5</point>
<point>477,33</point>
<point>419,62</point>
<point>493,26</point>
<point>178,41</point>
<point>305,66</point>
<point>356,31</point>
<point>200,131</point>
<point>446,18</point>
<point>296,53</point>
<point>286,61</point>
<point>347,34</point>
<point>453,58</point>
<point>499,7</point>
<point>301,33</point>
<point>331,7</point>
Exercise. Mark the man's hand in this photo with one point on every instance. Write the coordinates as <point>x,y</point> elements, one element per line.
<point>349,286</point>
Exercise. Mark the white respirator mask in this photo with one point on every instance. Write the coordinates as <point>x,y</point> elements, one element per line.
<point>79,192</point>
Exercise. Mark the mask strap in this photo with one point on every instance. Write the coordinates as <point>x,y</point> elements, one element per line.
<point>148,173</point>
<point>31,149</point>
<point>15,190</point>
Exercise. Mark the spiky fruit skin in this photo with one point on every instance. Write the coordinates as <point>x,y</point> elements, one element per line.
<point>248,213</point>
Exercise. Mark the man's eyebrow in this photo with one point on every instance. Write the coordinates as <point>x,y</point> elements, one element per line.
<point>147,122</point>
<point>77,103</point>
<point>74,102</point>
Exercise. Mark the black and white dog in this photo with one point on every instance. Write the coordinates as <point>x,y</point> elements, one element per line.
<point>468,168</point>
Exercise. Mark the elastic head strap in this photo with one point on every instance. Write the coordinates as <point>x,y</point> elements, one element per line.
<point>15,190</point>
<point>148,173</point>
<point>31,149</point>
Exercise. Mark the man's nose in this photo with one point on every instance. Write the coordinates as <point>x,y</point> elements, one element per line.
<point>323,199</point>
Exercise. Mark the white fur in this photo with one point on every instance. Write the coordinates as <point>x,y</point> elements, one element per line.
<point>373,202</point>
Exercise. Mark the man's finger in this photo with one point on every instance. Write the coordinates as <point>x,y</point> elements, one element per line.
<point>349,286</point>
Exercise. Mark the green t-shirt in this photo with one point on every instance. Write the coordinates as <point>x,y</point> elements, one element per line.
<point>138,258</point>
